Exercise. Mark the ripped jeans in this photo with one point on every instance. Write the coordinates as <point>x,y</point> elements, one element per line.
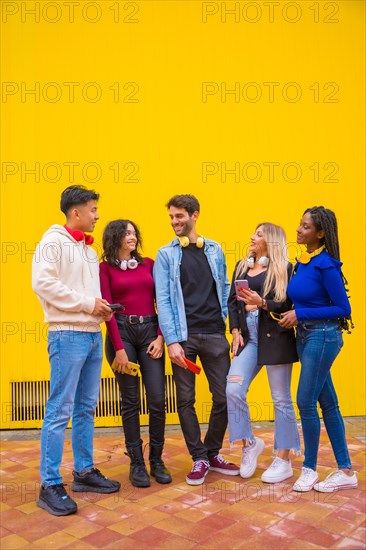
<point>243,370</point>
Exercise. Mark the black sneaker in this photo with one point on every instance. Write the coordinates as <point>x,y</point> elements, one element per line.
<point>56,501</point>
<point>94,482</point>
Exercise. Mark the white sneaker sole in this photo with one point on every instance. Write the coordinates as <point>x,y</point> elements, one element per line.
<point>304,488</point>
<point>225,472</point>
<point>196,481</point>
<point>333,488</point>
<point>277,480</point>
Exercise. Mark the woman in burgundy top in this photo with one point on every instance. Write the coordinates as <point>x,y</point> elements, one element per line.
<point>133,335</point>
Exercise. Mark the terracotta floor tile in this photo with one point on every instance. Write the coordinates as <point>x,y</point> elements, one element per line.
<point>325,538</point>
<point>101,517</point>
<point>303,545</point>
<point>14,542</point>
<point>35,530</point>
<point>150,537</point>
<point>337,526</point>
<point>56,540</point>
<point>153,500</point>
<point>216,522</point>
<point>289,528</point>
<point>176,543</point>
<point>127,526</point>
<point>176,526</point>
<point>172,507</point>
<point>82,528</point>
<point>349,544</point>
<point>359,534</point>
<point>101,538</point>
<point>81,545</point>
<point>192,514</point>
<point>4,532</point>
<point>224,541</point>
<point>266,540</point>
<point>243,529</point>
<point>309,514</point>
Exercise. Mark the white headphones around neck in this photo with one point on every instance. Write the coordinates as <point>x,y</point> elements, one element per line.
<point>128,264</point>
<point>263,261</point>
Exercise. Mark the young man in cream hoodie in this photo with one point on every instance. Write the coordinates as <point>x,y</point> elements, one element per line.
<point>65,277</point>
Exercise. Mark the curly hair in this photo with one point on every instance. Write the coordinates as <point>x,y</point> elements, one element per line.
<point>325,220</point>
<point>113,234</point>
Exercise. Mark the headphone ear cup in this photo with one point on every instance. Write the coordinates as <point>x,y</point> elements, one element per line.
<point>184,241</point>
<point>263,261</point>
<point>89,239</point>
<point>123,265</point>
<point>78,235</point>
<point>200,242</point>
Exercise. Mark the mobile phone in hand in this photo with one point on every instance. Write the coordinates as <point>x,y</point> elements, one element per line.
<point>241,284</point>
<point>116,307</point>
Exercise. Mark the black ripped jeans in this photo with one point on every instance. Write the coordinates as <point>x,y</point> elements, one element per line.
<point>136,339</point>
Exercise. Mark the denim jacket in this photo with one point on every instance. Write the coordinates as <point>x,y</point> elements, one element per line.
<point>169,295</point>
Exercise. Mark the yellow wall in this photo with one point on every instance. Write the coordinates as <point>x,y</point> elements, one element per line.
<point>153,98</point>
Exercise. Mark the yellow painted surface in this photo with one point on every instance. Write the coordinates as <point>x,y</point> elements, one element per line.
<point>255,107</point>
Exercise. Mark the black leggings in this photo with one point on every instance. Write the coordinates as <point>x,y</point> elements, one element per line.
<point>136,339</point>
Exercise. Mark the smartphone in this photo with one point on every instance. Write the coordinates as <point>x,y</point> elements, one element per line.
<point>116,307</point>
<point>134,368</point>
<point>241,284</point>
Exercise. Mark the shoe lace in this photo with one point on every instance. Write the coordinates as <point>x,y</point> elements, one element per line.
<point>98,473</point>
<point>307,472</point>
<point>60,491</point>
<point>220,459</point>
<point>275,464</point>
<point>199,464</point>
<point>333,476</point>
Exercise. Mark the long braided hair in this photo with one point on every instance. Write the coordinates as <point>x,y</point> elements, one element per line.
<point>325,219</point>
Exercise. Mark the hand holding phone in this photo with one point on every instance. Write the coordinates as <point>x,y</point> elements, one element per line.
<point>116,307</point>
<point>241,284</point>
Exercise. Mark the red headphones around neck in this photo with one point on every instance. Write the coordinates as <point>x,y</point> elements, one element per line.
<point>80,235</point>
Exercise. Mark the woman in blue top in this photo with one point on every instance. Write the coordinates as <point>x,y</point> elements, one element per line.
<point>321,309</point>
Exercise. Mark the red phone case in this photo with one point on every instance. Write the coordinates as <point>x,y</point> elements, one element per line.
<point>192,366</point>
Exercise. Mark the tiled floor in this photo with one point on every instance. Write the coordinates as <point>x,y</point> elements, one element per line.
<point>224,513</point>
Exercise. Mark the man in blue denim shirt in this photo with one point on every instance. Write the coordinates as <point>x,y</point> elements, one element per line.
<point>191,293</point>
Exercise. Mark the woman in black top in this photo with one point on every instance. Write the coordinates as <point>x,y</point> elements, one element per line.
<point>258,340</point>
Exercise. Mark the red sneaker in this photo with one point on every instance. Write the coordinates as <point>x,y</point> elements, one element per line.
<point>198,473</point>
<point>219,464</point>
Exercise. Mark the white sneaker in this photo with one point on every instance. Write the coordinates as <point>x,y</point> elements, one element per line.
<point>278,471</point>
<point>337,481</point>
<point>250,456</point>
<point>306,481</point>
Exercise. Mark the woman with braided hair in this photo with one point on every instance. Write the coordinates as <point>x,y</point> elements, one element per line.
<point>321,310</point>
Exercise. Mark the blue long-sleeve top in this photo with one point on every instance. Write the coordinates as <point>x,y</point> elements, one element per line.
<point>317,289</point>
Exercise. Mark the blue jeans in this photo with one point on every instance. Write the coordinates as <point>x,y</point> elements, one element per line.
<point>244,369</point>
<point>75,359</point>
<point>318,344</point>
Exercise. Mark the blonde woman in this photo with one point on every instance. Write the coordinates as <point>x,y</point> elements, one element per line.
<point>259,340</point>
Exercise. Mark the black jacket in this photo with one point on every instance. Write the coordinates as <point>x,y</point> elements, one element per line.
<point>276,345</point>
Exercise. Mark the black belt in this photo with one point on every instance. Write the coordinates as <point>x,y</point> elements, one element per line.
<point>136,319</point>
